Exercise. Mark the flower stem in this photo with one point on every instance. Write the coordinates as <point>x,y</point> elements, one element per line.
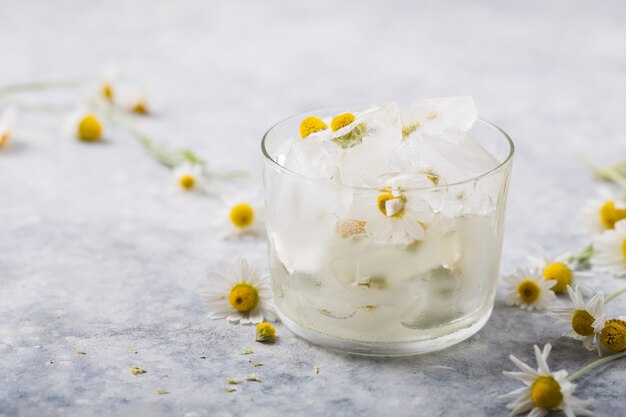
<point>611,173</point>
<point>615,295</point>
<point>37,86</point>
<point>583,259</point>
<point>593,364</point>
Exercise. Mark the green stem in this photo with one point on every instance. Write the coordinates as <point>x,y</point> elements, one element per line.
<point>37,86</point>
<point>583,259</point>
<point>610,173</point>
<point>615,295</point>
<point>593,364</point>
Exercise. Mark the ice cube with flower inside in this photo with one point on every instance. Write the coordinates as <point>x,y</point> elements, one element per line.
<point>439,114</point>
<point>391,212</point>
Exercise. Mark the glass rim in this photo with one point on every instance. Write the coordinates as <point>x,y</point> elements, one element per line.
<point>492,171</point>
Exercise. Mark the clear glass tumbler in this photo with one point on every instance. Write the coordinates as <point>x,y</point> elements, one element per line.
<point>339,288</point>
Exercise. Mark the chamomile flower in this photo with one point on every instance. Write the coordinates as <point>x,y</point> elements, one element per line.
<point>558,268</point>
<point>242,215</point>
<point>529,290</point>
<point>582,318</point>
<point>86,126</point>
<point>7,119</point>
<point>240,294</point>
<point>393,214</point>
<point>602,213</point>
<point>188,176</point>
<point>610,247</point>
<point>105,87</point>
<point>612,335</point>
<point>544,390</point>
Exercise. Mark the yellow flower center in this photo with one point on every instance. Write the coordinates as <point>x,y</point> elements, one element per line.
<point>624,248</point>
<point>582,321</point>
<point>546,392</point>
<point>341,121</point>
<point>107,91</point>
<point>611,215</point>
<point>408,129</point>
<point>242,215</point>
<point>311,125</point>
<point>559,272</point>
<point>89,128</point>
<point>385,196</point>
<point>140,107</point>
<point>243,297</point>
<point>613,335</point>
<point>529,291</point>
<point>187,181</point>
<point>4,138</point>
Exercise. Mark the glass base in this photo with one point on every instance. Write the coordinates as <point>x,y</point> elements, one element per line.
<point>381,348</point>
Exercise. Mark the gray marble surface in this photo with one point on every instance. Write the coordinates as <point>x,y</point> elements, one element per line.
<point>98,252</point>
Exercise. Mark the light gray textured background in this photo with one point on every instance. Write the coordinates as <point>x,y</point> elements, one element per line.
<point>98,252</point>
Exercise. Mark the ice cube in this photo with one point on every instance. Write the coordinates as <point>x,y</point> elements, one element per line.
<point>378,132</point>
<point>439,114</point>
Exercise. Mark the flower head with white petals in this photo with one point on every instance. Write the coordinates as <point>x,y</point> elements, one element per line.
<point>393,213</point>
<point>602,213</point>
<point>240,294</point>
<point>529,290</point>
<point>544,390</point>
<point>558,268</point>
<point>242,215</point>
<point>188,176</point>
<point>85,125</point>
<point>610,247</point>
<point>582,318</point>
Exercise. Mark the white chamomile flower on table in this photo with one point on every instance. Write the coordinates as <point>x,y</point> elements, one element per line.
<point>242,215</point>
<point>7,121</point>
<point>188,176</point>
<point>582,318</point>
<point>394,213</point>
<point>560,269</point>
<point>439,114</point>
<point>85,125</point>
<point>603,212</point>
<point>545,390</point>
<point>529,290</point>
<point>610,250</point>
<point>240,294</point>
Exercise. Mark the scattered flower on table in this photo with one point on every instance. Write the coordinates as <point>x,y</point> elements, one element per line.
<point>254,378</point>
<point>86,126</point>
<point>188,176</point>
<point>529,290</point>
<point>242,215</point>
<point>545,390</point>
<point>610,247</point>
<point>162,391</point>
<point>240,294</point>
<point>603,212</point>
<point>265,332</point>
<point>613,335</point>
<point>582,318</point>
<point>7,121</point>
<point>560,269</point>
